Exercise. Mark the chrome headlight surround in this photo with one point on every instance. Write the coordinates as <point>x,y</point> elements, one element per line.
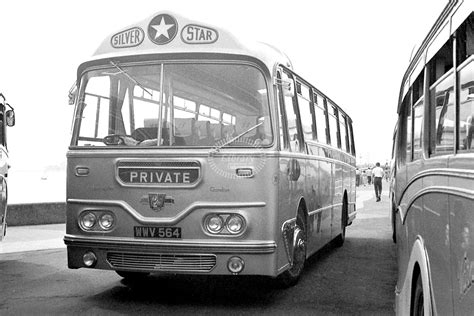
<point>106,221</point>
<point>235,224</point>
<point>87,220</point>
<point>214,224</point>
<point>224,224</point>
<point>97,221</point>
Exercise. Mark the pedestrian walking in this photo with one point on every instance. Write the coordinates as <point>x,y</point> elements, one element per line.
<point>369,176</point>
<point>357,177</point>
<point>378,174</point>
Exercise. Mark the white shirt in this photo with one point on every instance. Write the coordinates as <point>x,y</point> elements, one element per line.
<point>378,172</point>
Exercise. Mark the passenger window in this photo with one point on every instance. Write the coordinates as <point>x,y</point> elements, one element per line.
<point>466,108</point>
<point>442,102</point>
<point>409,127</point>
<point>333,128</point>
<point>291,116</point>
<point>417,130</point>
<point>305,111</point>
<point>320,115</point>
<point>342,129</point>
<point>350,136</point>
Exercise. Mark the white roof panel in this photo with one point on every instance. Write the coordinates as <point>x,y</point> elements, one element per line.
<point>166,32</point>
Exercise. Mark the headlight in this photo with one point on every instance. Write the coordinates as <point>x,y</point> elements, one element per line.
<point>214,224</point>
<point>88,220</point>
<point>235,224</point>
<point>106,221</point>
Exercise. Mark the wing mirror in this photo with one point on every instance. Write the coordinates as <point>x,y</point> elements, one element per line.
<point>10,115</point>
<point>72,94</point>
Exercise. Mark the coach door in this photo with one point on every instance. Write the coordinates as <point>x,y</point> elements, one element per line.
<point>291,163</point>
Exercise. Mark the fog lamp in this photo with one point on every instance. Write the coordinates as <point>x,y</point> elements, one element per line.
<point>235,265</point>
<point>235,224</point>
<point>214,224</point>
<point>89,259</point>
<point>88,220</point>
<point>106,221</point>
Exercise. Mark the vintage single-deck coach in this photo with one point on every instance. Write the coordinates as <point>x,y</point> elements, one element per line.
<point>433,183</point>
<point>195,152</point>
<point>7,118</point>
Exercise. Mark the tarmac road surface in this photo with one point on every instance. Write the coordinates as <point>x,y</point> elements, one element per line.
<point>357,279</point>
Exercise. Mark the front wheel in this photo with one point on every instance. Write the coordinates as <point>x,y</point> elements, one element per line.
<point>418,308</point>
<point>291,276</point>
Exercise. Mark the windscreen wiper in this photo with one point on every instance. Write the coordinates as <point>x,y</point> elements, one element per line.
<point>236,137</point>
<point>135,81</point>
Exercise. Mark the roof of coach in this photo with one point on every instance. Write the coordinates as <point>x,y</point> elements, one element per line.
<point>169,33</point>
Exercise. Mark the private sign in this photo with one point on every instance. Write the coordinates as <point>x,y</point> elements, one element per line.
<point>128,38</point>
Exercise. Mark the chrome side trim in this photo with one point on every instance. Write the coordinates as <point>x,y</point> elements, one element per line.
<point>351,216</point>
<point>319,210</point>
<point>464,193</point>
<point>457,173</point>
<point>136,245</point>
<point>167,220</point>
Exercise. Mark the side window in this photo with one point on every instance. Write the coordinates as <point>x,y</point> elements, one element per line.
<point>304,104</point>
<point>442,104</point>
<point>418,102</point>
<point>408,128</point>
<point>320,115</point>
<point>342,130</point>
<point>394,142</point>
<point>333,126</point>
<point>3,125</point>
<point>417,130</point>
<point>466,107</point>
<point>465,49</point>
<point>350,136</point>
<point>184,108</point>
<point>291,117</point>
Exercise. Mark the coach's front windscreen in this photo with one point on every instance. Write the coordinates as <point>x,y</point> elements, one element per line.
<point>180,104</point>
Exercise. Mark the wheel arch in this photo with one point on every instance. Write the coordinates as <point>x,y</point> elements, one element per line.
<point>345,207</point>
<point>303,210</point>
<point>419,265</point>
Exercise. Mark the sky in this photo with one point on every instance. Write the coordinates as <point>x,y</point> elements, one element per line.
<point>356,52</point>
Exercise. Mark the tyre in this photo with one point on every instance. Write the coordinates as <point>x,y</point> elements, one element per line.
<point>417,306</point>
<point>339,240</point>
<point>394,227</point>
<point>129,275</point>
<point>291,276</point>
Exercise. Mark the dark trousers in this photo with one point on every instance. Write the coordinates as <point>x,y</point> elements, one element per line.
<point>378,186</point>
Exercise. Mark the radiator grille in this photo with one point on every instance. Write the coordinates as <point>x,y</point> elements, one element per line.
<point>162,262</point>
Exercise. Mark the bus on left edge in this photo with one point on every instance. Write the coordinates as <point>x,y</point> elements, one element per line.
<point>7,118</point>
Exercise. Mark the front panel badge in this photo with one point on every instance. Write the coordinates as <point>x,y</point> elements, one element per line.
<point>162,29</point>
<point>156,201</point>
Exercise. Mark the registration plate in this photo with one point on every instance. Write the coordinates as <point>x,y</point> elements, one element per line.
<point>157,232</point>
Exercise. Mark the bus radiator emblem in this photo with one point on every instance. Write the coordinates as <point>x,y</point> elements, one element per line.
<point>158,200</point>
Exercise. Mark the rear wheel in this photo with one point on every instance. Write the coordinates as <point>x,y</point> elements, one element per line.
<point>291,276</point>
<point>339,241</point>
<point>418,308</point>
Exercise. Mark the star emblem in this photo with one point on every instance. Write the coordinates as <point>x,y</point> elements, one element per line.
<point>162,29</point>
